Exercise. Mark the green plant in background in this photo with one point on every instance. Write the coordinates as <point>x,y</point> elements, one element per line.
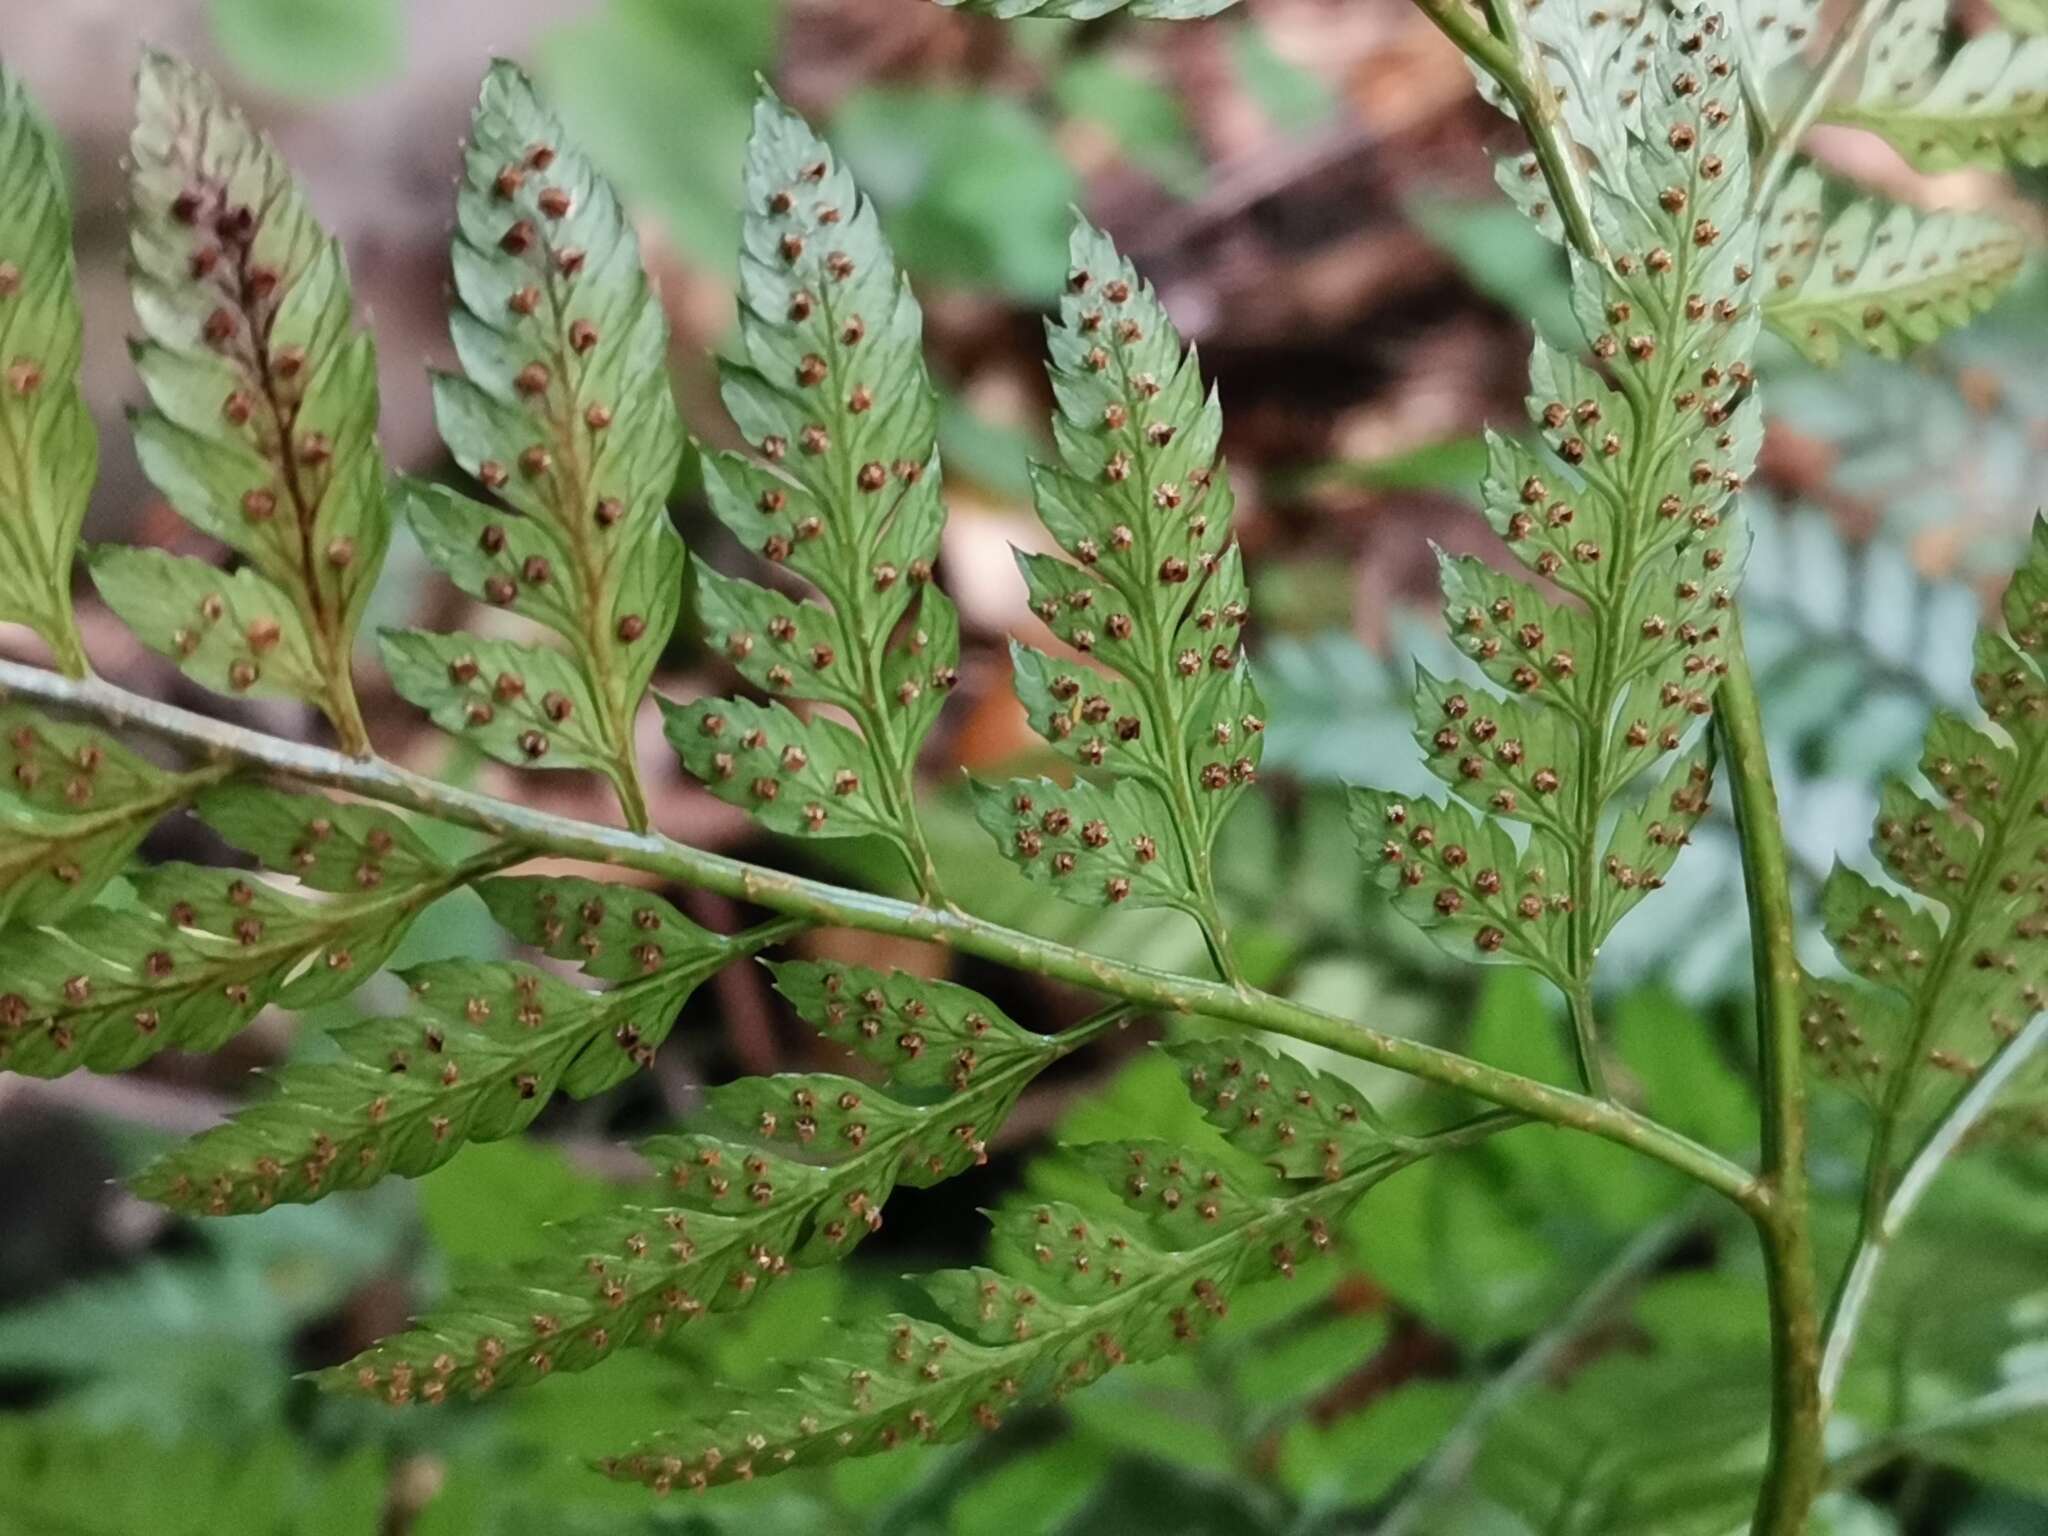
<point>1572,741</point>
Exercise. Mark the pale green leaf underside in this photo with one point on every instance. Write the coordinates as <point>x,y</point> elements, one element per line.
<point>1068,1298</point>
<point>1884,278</point>
<point>48,446</point>
<point>1625,502</point>
<point>261,428</point>
<point>829,390</point>
<point>780,1173</point>
<point>1958,972</point>
<point>1986,104</point>
<point>1149,606</point>
<point>562,409</point>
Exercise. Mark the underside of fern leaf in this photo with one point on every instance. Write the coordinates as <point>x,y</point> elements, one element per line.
<point>1883,278</point>
<point>842,491</point>
<point>261,428</point>
<point>48,447</point>
<point>563,410</point>
<point>1983,106</point>
<point>200,952</point>
<point>1957,967</point>
<point>1071,1296</point>
<point>482,1051</point>
<point>780,1173</point>
<point>1151,686</point>
<point>1625,503</point>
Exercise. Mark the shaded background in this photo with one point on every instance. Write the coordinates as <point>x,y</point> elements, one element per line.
<point>1306,183</point>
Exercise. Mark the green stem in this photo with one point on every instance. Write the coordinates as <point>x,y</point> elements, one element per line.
<point>838,906</point>
<point>1522,75</point>
<point>1797,1460</point>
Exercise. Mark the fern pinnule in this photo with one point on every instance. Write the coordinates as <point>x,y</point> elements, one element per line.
<point>1982,106</point>
<point>563,411</point>
<point>1625,503</point>
<point>780,1173</point>
<point>484,1048</point>
<point>842,490</point>
<point>1954,970</point>
<point>261,429</point>
<point>1154,689</point>
<point>1070,1297</point>
<point>47,470</point>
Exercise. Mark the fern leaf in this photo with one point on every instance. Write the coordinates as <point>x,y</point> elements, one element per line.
<point>1090,10</point>
<point>329,845</point>
<point>1986,105</point>
<point>831,392</point>
<point>563,409</point>
<point>74,804</point>
<point>1155,688</point>
<point>263,390</point>
<point>49,449</point>
<point>784,1172</point>
<point>483,1050</point>
<point>1883,278</point>
<point>1625,503</point>
<point>1948,978</point>
<point>529,705</point>
<point>1070,1298</point>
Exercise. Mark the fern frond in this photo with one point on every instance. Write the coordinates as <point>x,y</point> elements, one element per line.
<point>563,409</point>
<point>261,428</point>
<point>480,1054</point>
<point>49,449</point>
<point>1070,1298</point>
<point>1951,979</point>
<point>1880,277</point>
<point>831,392</point>
<point>1985,105</point>
<point>1154,687</point>
<point>785,1172</point>
<point>1625,503</point>
<point>74,804</point>
<point>205,950</point>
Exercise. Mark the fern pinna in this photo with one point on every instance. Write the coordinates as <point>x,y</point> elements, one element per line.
<point>1573,750</point>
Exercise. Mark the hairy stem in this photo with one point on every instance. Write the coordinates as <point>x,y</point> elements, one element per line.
<point>1797,1459</point>
<point>838,906</point>
<point>1882,1227</point>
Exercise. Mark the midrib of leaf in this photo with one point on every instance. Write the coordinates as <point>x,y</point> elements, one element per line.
<point>875,724</point>
<point>1158,692</point>
<point>1000,1370</point>
<point>599,656</point>
<point>647,1307</point>
<point>333,653</point>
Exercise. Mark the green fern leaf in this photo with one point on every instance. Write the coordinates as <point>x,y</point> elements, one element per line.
<point>831,391</point>
<point>1070,1298</point>
<point>785,1172</point>
<point>263,390</point>
<point>1090,10</point>
<point>49,450</point>
<point>205,950</point>
<point>484,1049</point>
<point>74,804</point>
<point>529,705</point>
<point>563,409</point>
<point>1945,983</point>
<point>1153,600</point>
<point>1985,105</point>
<point>1302,1123</point>
<point>1882,278</point>
<point>234,632</point>
<point>1625,503</point>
